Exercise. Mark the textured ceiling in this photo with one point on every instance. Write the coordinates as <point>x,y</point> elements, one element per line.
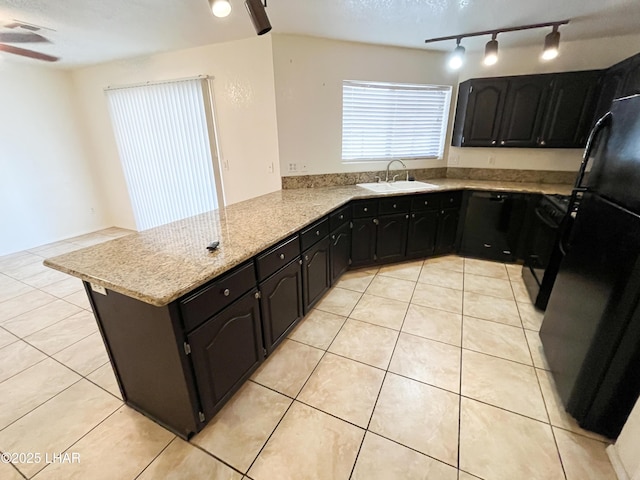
<point>87,32</point>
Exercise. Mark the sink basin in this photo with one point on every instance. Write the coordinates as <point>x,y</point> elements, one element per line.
<point>399,186</point>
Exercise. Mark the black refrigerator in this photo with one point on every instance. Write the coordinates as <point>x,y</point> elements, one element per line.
<point>591,328</point>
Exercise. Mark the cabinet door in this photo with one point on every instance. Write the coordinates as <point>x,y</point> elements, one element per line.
<point>568,119</point>
<point>340,251</point>
<point>226,350</point>
<point>421,239</point>
<point>632,77</point>
<point>281,303</point>
<point>447,230</point>
<point>363,241</point>
<point>392,237</point>
<point>483,112</point>
<point>523,111</point>
<point>611,87</point>
<point>316,277</point>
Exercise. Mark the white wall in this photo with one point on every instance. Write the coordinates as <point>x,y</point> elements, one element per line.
<point>46,187</point>
<point>574,56</point>
<point>245,107</point>
<point>309,73</point>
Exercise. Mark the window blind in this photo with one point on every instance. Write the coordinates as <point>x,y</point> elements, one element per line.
<point>163,135</point>
<point>387,120</point>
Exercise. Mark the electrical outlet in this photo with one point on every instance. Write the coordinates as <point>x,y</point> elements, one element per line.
<point>293,167</point>
<point>492,160</point>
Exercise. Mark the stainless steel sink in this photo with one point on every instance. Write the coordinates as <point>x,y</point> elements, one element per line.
<point>395,187</point>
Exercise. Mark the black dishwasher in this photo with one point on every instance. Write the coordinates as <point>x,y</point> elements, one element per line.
<point>492,225</point>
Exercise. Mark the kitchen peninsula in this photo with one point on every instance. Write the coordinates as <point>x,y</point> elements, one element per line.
<point>185,327</point>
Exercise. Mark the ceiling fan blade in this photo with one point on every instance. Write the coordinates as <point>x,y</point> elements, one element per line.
<point>17,37</point>
<point>27,53</point>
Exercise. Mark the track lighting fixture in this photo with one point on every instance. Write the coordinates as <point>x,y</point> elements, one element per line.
<point>457,56</point>
<point>220,8</point>
<point>551,42</point>
<point>258,15</point>
<point>491,51</point>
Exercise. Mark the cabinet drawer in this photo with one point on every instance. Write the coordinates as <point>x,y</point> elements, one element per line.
<point>313,234</point>
<point>214,297</point>
<point>394,205</point>
<point>339,217</point>
<point>277,257</point>
<point>367,208</point>
<point>450,199</point>
<point>425,202</point>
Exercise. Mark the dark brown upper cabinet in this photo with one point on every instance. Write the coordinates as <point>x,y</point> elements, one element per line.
<point>523,111</point>
<point>526,111</point>
<point>570,110</point>
<point>479,112</point>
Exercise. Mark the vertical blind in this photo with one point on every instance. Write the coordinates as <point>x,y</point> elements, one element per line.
<point>162,131</point>
<point>389,120</point>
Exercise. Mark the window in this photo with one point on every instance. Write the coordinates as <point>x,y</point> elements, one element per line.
<point>165,139</point>
<point>381,121</point>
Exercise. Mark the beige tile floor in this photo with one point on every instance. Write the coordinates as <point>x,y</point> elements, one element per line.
<point>421,370</point>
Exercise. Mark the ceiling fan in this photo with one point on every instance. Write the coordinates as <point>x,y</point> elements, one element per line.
<point>30,36</point>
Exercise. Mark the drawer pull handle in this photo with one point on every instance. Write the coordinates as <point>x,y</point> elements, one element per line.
<point>451,200</point>
<point>426,202</point>
<point>300,261</point>
<point>413,215</point>
<point>282,256</point>
<point>341,217</point>
<point>306,257</point>
<point>365,209</point>
<point>333,237</point>
<point>395,206</point>
<point>487,245</point>
<point>375,220</point>
<point>406,216</point>
<point>318,233</point>
<point>226,292</point>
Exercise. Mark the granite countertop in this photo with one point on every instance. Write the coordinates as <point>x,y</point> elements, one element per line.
<point>161,264</point>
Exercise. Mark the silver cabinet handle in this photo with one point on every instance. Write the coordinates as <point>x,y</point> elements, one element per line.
<point>487,245</point>
<point>226,292</point>
<point>333,237</point>
<point>365,209</point>
<point>502,142</point>
<point>395,206</point>
<point>426,202</point>
<point>306,257</point>
<point>493,142</point>
<point>376,221</point>
<point>300,261</point>
<point>282,256</point>
<point>413,215</point>
<point>341,217</point>
<point>318,233</point>
<point>406,216</point>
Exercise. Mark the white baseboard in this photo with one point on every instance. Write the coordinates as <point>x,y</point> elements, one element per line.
<point>616,463</point>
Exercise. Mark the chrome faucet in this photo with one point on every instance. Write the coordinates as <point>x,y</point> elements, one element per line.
<point>389,164</point>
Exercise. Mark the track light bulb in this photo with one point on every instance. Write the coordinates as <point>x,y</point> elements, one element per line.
<point>551,45</point>
<point>220,8</point>
<point>457,57</point>
<point>491,52</point>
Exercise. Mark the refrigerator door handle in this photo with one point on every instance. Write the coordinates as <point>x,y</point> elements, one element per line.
<point>600,124</point>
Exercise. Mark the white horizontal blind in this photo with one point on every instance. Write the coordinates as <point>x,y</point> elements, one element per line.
<point>163,138</point>
<point>381,121</point>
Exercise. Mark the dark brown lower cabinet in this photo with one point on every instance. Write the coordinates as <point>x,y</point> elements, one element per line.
<point>340,251</point>
<point>392,237</point>
<point>316,276</point>
<point>281,303</point>
<point>447,230</point>
<point>226,350</point>
<point>421,239</point>
<point>363,241</point>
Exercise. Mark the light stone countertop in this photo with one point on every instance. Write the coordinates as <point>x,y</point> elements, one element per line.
<point>159,265</point>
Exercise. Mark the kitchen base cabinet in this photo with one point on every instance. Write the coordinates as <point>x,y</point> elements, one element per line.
<point>340,251</point>
<point>281,303</point>
<point>446,236</point>
<point>363,241</point>
<point>148,350</point>
<point>391,243</point>
<point>226,350</point>
<point>421,239</point>
<point>316,275</point>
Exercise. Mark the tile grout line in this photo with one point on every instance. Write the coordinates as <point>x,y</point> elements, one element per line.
<point>156,457</point>
<point>464,265</point>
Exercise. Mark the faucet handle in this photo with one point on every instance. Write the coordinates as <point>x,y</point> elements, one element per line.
<point>377,179</point>
<point>394,178</point>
